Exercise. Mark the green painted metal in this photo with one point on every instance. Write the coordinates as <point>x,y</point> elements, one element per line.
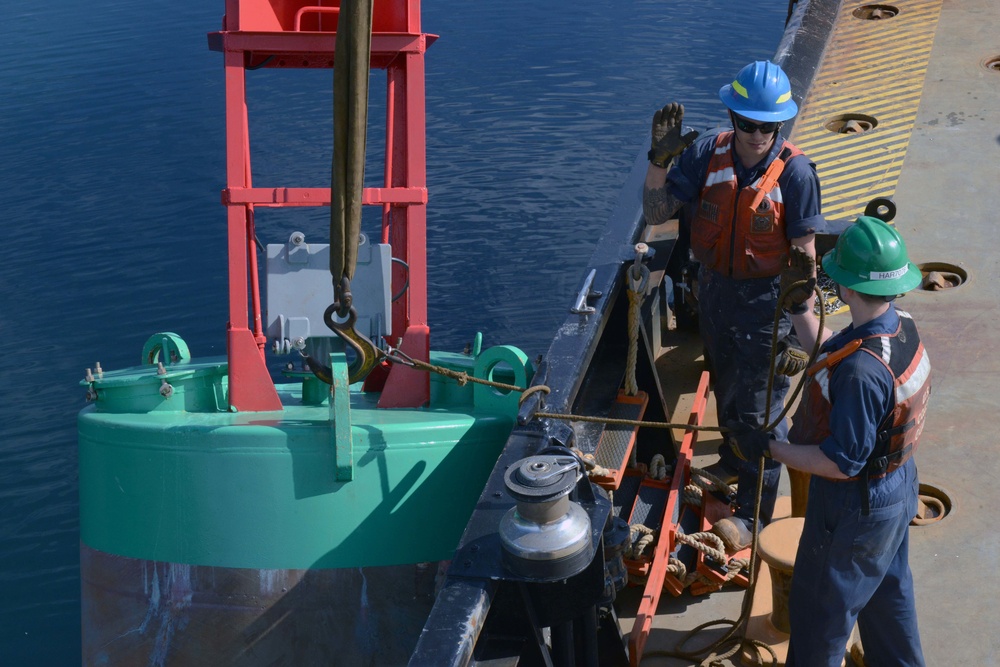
<point>167,348</point>
<point>314,390</point>
<point>194,386</point>
<point>491,398</point>
<point>175,477</point>
<point>340,413</point>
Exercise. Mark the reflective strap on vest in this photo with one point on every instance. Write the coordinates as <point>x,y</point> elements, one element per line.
<point>770,178</point>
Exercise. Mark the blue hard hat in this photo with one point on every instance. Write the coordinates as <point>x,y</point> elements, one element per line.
<point>760,92</point>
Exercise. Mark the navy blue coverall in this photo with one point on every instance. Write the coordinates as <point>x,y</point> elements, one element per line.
<point>850,566</point>
<point>736,317</point>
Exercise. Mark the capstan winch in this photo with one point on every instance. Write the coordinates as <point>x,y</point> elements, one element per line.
<point>546,536</point>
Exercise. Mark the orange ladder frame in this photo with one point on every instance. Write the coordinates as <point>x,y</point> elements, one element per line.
<point>668,532</point>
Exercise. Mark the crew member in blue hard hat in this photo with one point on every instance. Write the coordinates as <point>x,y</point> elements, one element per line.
<point>855,431</point>
<point>750,196</point>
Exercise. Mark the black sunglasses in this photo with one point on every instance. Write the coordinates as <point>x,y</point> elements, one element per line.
<point>748,127</point>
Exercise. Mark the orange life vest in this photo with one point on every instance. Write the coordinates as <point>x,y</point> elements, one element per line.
<point>729,236</point>
<point>903,355</point>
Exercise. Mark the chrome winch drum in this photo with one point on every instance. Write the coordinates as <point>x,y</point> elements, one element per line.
<point>546,536</point>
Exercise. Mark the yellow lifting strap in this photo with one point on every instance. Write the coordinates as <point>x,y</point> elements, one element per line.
<point>352,63</point>
<point>352,60</point>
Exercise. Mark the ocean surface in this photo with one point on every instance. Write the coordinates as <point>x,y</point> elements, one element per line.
<point>112,158</point>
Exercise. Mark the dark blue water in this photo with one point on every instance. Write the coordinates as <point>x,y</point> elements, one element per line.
<point>112,159</point>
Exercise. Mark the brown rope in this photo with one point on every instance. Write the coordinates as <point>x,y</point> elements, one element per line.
<point>774,347</point>
<point>634,301</point>
<point>461,377</point>
<point>629,422</point>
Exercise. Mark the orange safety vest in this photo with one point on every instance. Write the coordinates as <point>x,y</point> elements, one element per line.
<point>730,236</point>
<point>897,436</point>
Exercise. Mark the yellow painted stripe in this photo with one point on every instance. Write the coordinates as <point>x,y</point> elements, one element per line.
<point>875,68</point>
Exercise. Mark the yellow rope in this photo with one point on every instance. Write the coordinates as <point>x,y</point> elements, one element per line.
<point>461,377</point>
<point>692,495</point>
<point>629,422</point>
<point>643,538</point>
<point>774,347</point>
<point>679,571</point>
<point>634,301</point>
<point>638,279</point>
<point>707,543</point>
<point>590,463</point>
<point>658,467</point>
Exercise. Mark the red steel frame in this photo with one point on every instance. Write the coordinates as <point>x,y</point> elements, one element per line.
<point>299,34</point>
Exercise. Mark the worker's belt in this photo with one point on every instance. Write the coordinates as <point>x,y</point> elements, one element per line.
<point>876,468</point>
<point>856,478</point>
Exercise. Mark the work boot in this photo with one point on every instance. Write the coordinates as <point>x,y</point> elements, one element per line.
<point>734,534</point>
<point>857,654</point>
<point>722,471</point>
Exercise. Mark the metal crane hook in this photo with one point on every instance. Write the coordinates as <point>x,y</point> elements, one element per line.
<point>367,355</point>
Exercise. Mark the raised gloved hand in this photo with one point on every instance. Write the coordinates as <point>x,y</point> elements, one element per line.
<point>667,141</point>
<point>790,360</point>
<point>801,267</point>
<point>749,444</point>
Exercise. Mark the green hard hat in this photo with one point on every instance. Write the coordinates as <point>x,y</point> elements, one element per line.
<point>870,257</point>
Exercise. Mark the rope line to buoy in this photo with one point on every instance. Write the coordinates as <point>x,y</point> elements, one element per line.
<point>629,422</point>
<point>462,378</point>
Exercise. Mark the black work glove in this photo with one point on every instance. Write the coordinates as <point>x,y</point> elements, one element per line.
<point>790,360</point>
<point>667,141</point>
<point>749,444</point>
<point>801,267</point>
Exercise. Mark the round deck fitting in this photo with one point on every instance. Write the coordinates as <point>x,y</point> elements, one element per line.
<point>939,276</point>
<point>992,63</point>
<point>875,12</point>
<point>851,123</point>
<point>882,208</point>
<point>935,505</point>
<point>777,544</point>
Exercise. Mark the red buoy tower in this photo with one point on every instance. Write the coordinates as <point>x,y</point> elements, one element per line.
<point>277,34</point>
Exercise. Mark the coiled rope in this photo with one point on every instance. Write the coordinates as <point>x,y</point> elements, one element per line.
<point>643,538</point>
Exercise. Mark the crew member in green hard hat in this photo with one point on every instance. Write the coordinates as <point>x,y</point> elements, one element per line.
<point>749,195</point>
<point>855,432</point>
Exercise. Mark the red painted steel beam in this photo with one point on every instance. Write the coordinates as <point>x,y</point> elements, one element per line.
<point>320,44</point>
<point>406,387</point>
<point>273,43</point>
<point>250,385</point>
<point>319,196</point>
